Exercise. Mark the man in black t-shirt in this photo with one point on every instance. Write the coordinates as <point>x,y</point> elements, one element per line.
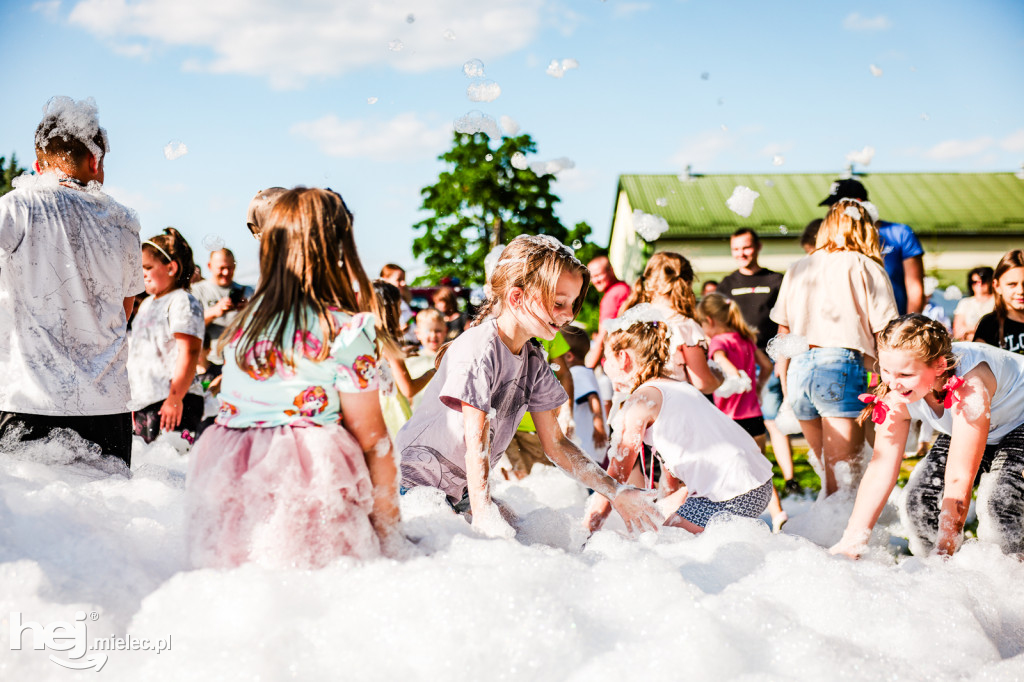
<point>755,290</point>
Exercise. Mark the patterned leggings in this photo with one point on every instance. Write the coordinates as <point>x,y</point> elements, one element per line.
<point>1000,502</point>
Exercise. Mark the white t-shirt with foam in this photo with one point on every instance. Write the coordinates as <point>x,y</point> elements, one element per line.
<point>68,259</point>
<point>703,447</point>
<point>153,350</point>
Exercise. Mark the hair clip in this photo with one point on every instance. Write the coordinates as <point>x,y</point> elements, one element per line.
<point>951,387</point>
<point>880,409</point>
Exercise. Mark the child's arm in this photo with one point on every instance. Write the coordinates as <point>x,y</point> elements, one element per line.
<point>564,376</point>
<point>697,369</point>
<point>723,361</point>
<point>600,436</point>
<point>764,363</point>
<point>363,419</point>
<point>878,481</point>
<point>971,422</point>
<point>403,380</point>
<point>184,373</point>
<point>487,516</point>
<point>782,364</point>
<point>635,506</point>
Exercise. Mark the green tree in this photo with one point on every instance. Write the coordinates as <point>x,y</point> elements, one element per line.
<point>482,200</point>
<point>8,173</point>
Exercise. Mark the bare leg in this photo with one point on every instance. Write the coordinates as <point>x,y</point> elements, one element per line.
<point>679,522</point>
<point>782,449</point>
<point>843,438</point>
<point>779,516</point>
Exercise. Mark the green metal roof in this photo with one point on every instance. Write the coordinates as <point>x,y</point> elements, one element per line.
<point>931,203</point>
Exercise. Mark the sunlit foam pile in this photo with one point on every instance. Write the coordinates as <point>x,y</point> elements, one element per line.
<point>549,605</point>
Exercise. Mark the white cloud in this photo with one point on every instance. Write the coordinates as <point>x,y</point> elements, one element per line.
<point>628,9</point>
<point>703,149</point>
<point>958,149</point>
<point>290,43</point>
<point>48,9</point>
<point>1014,142</point>
<point>855,22</point>
<point>403,137</point>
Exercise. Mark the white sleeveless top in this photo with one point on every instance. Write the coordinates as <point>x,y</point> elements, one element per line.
<point>703,447</point>
<point>1007,405</point>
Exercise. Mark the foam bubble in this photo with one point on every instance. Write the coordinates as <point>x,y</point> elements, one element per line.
<point>396,45</point>
<point>640,313</point>
<point>519,161</point>
<point>862,157</point>
<point>853,212</point>
<point>661,201</point>
<point>77,120</point>
<point>410,18</point>
<point>509,125</point>
<point>175,149</point>
<point>741,202</point>
<point>786,346</point>
<point>474,68</point>
<point>371,100</point>
<point>648,226</point>
<point>778,160</point>
<point>448,35</point>
<point>478,122</point>
<point>875,71</point>
<point>213,242</point>
<point>557,69</point>
<point>577,245</point>
<point>487,91</point>
<point>552,167</point>
<point>952,293</point>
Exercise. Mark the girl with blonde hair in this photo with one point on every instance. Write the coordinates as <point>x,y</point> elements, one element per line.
<point>490,376</point>
<point>836,299</point>
<point>973,395</point>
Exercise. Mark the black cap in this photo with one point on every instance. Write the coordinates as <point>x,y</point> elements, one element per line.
<point>847,188</point>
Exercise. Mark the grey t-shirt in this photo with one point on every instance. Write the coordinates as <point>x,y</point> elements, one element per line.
<point>209,293</point>
<point>480,370</point>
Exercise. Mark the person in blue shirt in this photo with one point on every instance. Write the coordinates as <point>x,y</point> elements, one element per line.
<point>901,250</point>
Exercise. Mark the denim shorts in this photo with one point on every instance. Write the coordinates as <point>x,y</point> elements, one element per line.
<point>771,398</point>
<point>825,382</point>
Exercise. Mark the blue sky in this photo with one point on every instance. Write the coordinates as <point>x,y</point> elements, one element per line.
<point>279,93</point>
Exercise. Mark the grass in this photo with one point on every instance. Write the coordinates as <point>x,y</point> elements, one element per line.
<point>805,475</point>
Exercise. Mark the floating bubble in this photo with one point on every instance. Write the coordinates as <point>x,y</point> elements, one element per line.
<point>648,226</point>
<point>742,201</point>
<point>778,160</point>
<point>769,183</point>
<point>396,45</point>
<point>474,68</point>
<point>448,34</point>
<point>704,76</point>
<point>557,69</point>
<point>953,293</point>
<point>371,100</point>
<point>477,296</point>
<point>213,242</point>
<point>486,91</point>
<point>925,117</point>
<point>875,71</point>
<point>783,229</point>
<point>661,201</point>
<point>509,125</point>
<point>552,167</point>
<point>862,157</point>
<point>477,122</point>
<point>519,161</point>
<point>577,245</point>
<point>409,19</point>
<point>489,157</point>
<point>786,346</point>
<point>175,149</point>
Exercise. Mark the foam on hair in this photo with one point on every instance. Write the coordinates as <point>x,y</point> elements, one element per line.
<point>71,130</point>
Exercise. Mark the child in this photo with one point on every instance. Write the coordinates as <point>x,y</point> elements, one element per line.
<point>733,346</point>
<point>491,375</point>
<point>1004,326</point>
<point>431,331</point>
<point>397,386</point>
<point>973,395</point>
<point>718,462</point>
<point>167,333</point>
<point>589,413</point>
<point>665,284</point>
<point>298,469</point>
<point>70,268</point>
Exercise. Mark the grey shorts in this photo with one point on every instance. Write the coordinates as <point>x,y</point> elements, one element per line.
<point>699,510</point>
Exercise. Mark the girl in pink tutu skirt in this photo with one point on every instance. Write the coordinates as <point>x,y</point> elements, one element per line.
<point>298,469</point>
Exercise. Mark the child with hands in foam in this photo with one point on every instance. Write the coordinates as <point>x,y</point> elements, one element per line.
<point>491,375</point>
<point>972,394</point>
<point>167,334</point>
<point>721,467</point>
<point>299,468</point>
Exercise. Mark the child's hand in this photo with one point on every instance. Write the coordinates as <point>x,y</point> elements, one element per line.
<point>852,545</point>
<point>600,438</point>
<point>636,507</point>
<point>394,545</point>
<point>490,522</point>
<point>597,511</point>
<point>170,414</point>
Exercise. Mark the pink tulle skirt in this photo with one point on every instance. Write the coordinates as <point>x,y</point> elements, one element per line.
<point>287,496</point>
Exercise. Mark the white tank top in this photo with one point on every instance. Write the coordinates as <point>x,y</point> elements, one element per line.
<point>703,447</point>
<point>1007,405</point>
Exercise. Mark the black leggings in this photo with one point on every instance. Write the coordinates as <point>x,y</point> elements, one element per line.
<point>1000,502</point>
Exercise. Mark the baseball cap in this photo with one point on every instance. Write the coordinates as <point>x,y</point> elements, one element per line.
<point>847,188</point>
<point>259,208</point>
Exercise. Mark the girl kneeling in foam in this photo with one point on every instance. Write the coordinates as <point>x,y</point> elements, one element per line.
<point>719,463</point>
<point>972,394</point>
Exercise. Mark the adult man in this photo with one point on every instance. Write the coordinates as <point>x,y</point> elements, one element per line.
<point>70,267</point>
<point>755,290</point>
<point>614,293</point>
<point>901,250</point>
<point>222,298</point>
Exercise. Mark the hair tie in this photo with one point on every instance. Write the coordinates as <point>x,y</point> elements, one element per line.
<point>880,409</point>
<point>951,387</point>
<point>157,247</point>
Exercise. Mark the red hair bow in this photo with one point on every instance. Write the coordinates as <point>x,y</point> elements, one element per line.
<point>880,409</point>
<point>951,387</point>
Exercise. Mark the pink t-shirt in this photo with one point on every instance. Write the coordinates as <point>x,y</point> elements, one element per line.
<point>740,352</point>
<point>614,296</point>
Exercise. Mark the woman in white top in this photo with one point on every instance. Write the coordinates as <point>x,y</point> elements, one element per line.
<point>721,467</point>
<point>972,308</point>
<point>838,298</point>
<point>973,395</point>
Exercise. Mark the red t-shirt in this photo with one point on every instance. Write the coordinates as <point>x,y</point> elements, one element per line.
<point>740,353</point>
<point>611,302</point>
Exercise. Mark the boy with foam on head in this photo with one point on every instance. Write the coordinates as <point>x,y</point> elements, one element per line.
<point>70,267</point>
